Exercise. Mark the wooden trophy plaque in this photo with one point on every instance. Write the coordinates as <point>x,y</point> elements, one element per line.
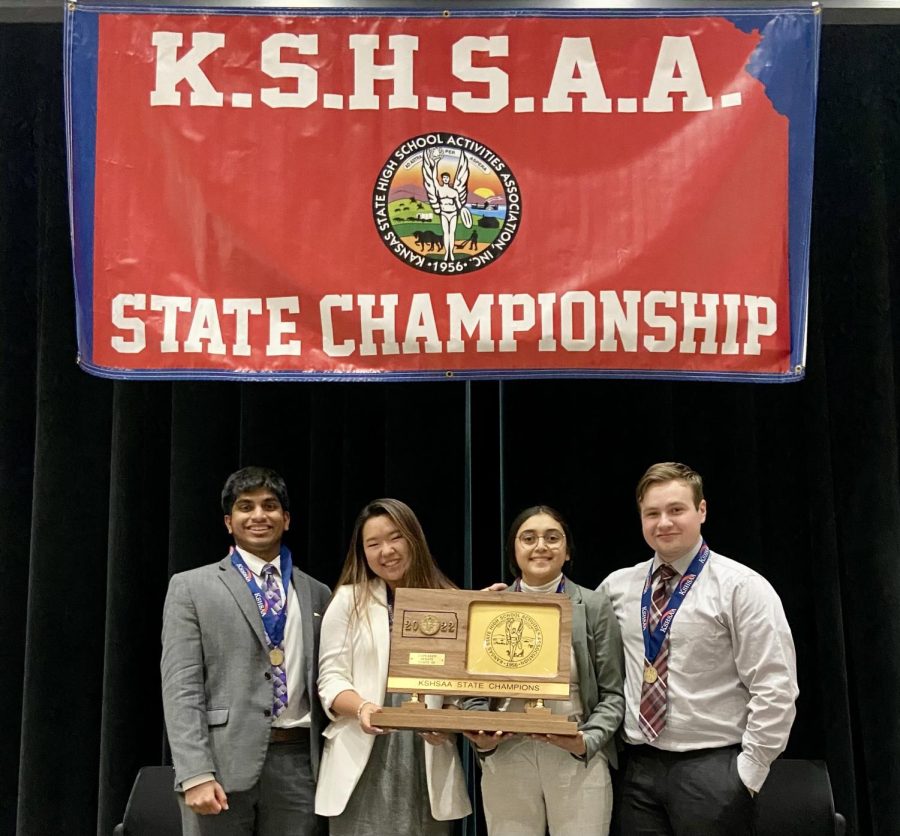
<point>479,644</point>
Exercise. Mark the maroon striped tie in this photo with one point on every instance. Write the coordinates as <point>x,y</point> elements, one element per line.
<point>652,719</point>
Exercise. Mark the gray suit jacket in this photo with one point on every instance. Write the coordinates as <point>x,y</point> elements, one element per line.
<point>597,645</point>
<point>216,675</point>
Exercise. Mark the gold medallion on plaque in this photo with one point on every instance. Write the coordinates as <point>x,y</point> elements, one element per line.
<point>513,639</point>
<point>429,625</point>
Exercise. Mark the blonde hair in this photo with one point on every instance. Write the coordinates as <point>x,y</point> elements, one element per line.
<point>662,472</point>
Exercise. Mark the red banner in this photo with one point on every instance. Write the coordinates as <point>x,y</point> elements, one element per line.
<point>298,196</point>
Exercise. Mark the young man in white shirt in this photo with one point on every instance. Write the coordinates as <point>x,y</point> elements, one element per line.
<point>710,671</point>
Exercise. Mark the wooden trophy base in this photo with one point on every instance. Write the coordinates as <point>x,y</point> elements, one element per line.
<point>416,715</point>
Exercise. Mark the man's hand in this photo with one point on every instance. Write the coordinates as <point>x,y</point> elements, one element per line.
<point>485,741</point>
<point>206,799</point>
<point>495,587</point>
<point>573,743</point>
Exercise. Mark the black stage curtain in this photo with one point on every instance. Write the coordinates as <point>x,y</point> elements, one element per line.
<point>109,487</point>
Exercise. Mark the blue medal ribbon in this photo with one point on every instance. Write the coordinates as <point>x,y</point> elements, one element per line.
<point>273,624</point>
<point>654,641</point>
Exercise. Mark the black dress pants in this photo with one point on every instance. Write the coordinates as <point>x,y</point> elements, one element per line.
<point>684,794</point>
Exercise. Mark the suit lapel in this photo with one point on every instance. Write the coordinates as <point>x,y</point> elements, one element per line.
<point>381,628</point>
<point>239,590</point>
<point>579,623</point>
<point>304,599</point>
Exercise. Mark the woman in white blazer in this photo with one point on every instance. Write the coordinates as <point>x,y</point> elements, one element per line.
<point>372,782</point>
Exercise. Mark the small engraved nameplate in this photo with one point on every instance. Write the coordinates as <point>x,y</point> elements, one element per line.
<point>426,658</point>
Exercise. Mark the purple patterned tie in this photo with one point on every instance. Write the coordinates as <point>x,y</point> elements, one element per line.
<point>279,677</point>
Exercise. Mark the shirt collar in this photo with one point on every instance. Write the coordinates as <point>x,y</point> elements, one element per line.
<point>255,564</point>
<point>552,586</point>
<point>680,566</point>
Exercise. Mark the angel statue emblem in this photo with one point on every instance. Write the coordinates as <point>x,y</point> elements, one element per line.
<point>513,639</point>
<point>448,200</point>
<point>445,204</point>
<point>514,627</point>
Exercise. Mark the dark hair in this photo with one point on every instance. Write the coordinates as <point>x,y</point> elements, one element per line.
<point>249,479</point>
<point>517,524</point>
<point>664,472</point>
<point>423,572</point>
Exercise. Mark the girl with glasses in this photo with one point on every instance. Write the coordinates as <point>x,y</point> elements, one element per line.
<point>533,782</point>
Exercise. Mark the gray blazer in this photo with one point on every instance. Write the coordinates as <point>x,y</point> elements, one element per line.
<point>216,675</point>
<point>597,645</point>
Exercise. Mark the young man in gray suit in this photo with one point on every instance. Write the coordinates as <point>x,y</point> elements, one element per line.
<point>240,651</point>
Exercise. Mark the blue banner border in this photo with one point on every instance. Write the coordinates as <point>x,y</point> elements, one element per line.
<point>80,79</point>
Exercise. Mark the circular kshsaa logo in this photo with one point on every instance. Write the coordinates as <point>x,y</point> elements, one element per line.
<point>513,639</point>
<point>444,203</point>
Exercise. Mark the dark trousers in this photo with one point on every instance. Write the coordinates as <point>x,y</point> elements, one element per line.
<point>281,804</point>
<point>684,794</point>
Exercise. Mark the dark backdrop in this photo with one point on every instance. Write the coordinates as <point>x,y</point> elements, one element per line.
<point>109,487</point>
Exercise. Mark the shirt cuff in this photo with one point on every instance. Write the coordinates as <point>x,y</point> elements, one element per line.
<point>752,774</point>
<point>190,783</point>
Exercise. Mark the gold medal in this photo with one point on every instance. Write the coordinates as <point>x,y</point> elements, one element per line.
<point>276,656</point>
<point>650,675</point>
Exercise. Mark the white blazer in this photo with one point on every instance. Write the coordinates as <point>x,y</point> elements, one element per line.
<point>358,660</point>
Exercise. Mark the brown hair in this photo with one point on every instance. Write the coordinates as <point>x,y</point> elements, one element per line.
<point>423,572</point>
<point>662,472</point>
<point>517,524</point>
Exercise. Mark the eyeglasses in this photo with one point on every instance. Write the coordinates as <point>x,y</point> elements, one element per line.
<point>553,539</point>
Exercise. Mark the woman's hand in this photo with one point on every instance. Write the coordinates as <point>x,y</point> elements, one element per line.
<point>350,704</point>
<point>573,743</point>
<point>435,738</point>
<point>485,741</point>
<point>364,715</point>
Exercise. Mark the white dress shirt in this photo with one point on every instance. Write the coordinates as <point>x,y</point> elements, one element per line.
<point>732,668</point>
<point>296,712</point>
